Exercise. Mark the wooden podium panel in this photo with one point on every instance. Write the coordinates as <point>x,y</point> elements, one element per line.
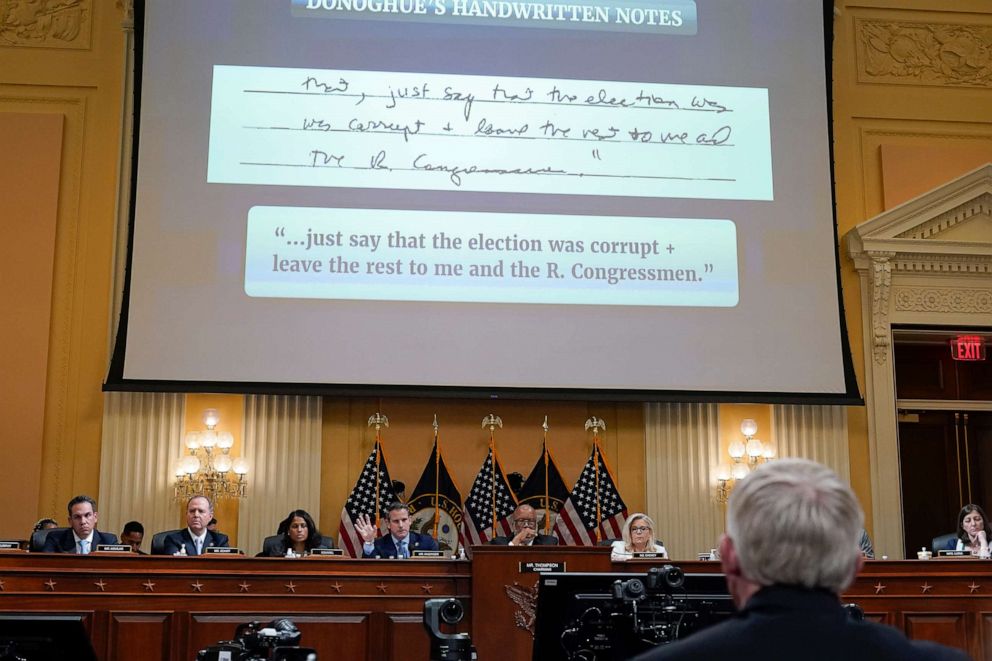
<point>947,601</point>
<point>504,598</point>
<point>165,609</point>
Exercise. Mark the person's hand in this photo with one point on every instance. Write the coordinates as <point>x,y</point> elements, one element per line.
<point>365,528</point>
<point>981,538</point>
<point>524,536</point>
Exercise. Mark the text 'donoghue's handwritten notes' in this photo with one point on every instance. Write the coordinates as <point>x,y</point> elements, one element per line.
<point>378,254</point>
<point>374,129</point>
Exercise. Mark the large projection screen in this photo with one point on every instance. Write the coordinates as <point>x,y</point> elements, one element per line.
<point>619,199</point>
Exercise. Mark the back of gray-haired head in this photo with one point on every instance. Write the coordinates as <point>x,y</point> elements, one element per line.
<point>794,522</point>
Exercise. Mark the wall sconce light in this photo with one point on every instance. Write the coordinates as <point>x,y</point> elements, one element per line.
<point>209,469</point>
<point>745,455</point>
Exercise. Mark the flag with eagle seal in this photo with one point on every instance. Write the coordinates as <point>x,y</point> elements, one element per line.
<point>436,505</point>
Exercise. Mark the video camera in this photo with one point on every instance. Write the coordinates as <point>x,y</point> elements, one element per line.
<point>8,652</point>
<point>602,617</point>
<point>275,641</point>
<point>447,646</point>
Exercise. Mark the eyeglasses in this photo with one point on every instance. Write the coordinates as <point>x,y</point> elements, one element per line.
<point>525,523</point>
<point>639,529</point>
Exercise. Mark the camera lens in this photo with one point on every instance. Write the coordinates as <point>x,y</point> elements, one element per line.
<point>633,589</point>
<point>452,611</point>
<point>674,576</point>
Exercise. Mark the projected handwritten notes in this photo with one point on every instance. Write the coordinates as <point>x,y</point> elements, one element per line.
<point>375,254</point>
<point>369,129</point>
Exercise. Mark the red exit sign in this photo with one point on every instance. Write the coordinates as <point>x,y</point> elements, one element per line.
<point>968,347</point>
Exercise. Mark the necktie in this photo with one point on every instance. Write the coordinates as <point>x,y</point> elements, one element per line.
<point>83,547</point>
<point>404,553</point>
<point>199,544</point>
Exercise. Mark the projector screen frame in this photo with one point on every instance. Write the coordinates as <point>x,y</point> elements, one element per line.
<point>116,380</point>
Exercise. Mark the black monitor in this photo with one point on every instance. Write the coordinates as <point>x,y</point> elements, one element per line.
<point>607,616</point>
<point>44,637</point>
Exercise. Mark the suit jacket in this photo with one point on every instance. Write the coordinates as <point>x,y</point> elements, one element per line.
<point>785,622</point>
<point>175,541</point>
<point>277,547</point>
<point>64,542</point>
<point>540,540</point>
<point>384,547</point>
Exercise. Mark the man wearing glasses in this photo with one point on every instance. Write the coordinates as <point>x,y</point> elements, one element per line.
<point>524,521</point>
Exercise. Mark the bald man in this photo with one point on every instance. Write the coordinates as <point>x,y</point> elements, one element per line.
<point>524,522</point>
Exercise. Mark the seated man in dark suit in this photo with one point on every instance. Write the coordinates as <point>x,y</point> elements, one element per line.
<point>790,549</point>
<point>133,534</point>
<point>195,538</point>
<point>82,536</point>
<point>400,542</point>
<point>524,522</point>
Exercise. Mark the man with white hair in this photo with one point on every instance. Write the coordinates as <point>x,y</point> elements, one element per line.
<point>790,549</point>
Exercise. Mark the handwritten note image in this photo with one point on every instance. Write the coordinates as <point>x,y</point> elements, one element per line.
<point>375,129</point>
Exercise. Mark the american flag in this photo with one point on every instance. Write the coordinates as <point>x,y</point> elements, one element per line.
<point>480,503</point>
<point>578,522</point>
<point>363,500</point>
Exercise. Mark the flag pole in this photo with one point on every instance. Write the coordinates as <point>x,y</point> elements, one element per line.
<point>547,490</point>
<point>379,420</point>
<point>599,516</point>
<point>492,421</point>
<point>437,477</point>
<point>596,424</point>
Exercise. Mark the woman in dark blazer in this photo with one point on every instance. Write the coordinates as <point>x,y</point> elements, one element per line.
<point>297,532</point>
<point>973,533</point>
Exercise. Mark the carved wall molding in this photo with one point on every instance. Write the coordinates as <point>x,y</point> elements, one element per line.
<point>873,134</point>
<point>47,24</point>
<point>943,299</point>
<point>953,264</point>
<point>981,132</point>
<point>981,205</point>
<point>127,6</point>
<point>881,279</point>
<point>913,53</point>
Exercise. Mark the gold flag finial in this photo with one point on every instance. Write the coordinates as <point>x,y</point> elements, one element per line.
<point>379,420</point>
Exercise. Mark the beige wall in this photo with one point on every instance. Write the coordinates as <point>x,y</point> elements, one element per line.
<point>67,66</point>
<point>30,156</point>
<point>896,132</point>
